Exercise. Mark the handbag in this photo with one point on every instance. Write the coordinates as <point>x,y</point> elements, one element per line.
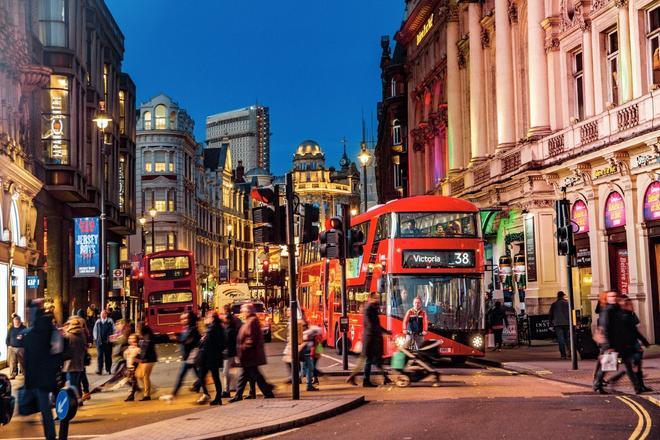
<point>194,357</point>
<point>27,402</point>
<point>88,359</point>
<point>608,361</point>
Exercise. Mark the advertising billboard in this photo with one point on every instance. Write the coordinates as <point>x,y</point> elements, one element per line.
<point>86,232</point>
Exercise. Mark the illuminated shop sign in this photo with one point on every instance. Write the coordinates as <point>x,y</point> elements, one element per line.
<point>425,30</point>
<point>652,202</point>
<point>55,129</point>
<point>580,216</point>
<point>86,238</point>
<point>615,211</point>
<point>122,183</point>
<point>606,171</point>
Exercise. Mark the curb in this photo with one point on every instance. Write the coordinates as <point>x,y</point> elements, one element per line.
<point>278,427</point>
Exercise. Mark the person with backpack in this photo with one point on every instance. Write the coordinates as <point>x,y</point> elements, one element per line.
<point>415,324</point>
<point>103,329</point>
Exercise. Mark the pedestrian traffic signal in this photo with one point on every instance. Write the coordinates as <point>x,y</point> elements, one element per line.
<point>354,243</point>
<point>310,230</point>
<point>332,240</point>
<point>269,218</point>
<point>565,244</point>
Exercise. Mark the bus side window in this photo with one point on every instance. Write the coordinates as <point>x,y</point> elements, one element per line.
<point>383,227</point>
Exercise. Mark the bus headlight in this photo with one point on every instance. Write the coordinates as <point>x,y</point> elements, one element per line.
<point>400,341</point>
<point>477,341</point>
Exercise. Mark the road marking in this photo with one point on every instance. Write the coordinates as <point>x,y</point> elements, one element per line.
<point>350,364</point>
<point>643,427</point>
<point>71,436</point>
<point>278,434</point>
<point>653,400</point>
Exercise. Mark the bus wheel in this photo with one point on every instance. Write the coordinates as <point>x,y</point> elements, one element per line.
<point>458,360</point>
<point>402,381</point>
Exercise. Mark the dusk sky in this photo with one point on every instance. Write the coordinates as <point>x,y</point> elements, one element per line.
<point>314,63</point>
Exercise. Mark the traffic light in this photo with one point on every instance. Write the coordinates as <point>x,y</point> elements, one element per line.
<point>264,269</point>
<point>565,244</point>
<point>354,243</point>
<point>332,240</point>
<point>269,218</point>
<point>310,230</point>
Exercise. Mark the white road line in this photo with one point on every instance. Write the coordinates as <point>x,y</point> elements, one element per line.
<point>350,364</point>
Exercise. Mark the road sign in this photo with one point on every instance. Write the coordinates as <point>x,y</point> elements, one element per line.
<point>32,282</point>
<point>118,278</point>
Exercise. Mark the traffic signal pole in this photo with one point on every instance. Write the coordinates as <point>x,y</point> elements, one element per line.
<point>566,247</point>
<point>293,297</point>
<point>571,324</point>
<point>346,218</point>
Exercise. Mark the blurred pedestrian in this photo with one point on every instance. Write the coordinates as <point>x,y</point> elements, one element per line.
<point>497,320</point>
<point>232,325</point>
<point>103,329</point>
<point>74,357</point>
<point>311,338</point>
<point>189,342</point>
<point>84,380</point>
<point>372,340</point>
<point>251,354</point>
<point>115,314</point>
<point>15,350</point>
<point>132,357</point>
<point>148,359</point>
<point>559,319</point>
<point>212,345</point>
<point>40,363</point>
<point>606,336</point>
<point>286,354</point>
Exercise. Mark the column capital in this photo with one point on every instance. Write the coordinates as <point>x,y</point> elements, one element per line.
<point>621,3</point>
<point>452,13</point>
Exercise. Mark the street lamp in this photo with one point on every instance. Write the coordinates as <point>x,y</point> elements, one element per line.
<point>230,228</point>
<point>102,121</point>
<point>143,221</point>
<point>364,157</point>
<point>152,213</point>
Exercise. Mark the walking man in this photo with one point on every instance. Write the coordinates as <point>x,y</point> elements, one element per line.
<point>559,319</point>
<point>251,355</point>
<point>373,346</point>
<point>15,347</point>
<point>103,329</point>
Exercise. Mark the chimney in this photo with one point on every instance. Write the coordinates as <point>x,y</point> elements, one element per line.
<point>240,172</point>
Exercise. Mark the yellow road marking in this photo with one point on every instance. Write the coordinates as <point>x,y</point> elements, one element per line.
<point>653,400</point>
<point>643,427</point>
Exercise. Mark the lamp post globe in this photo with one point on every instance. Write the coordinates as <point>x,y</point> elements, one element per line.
<point>364,157</point>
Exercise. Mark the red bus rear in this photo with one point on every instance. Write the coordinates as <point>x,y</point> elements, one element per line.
<point>169,290</point>
<point>425,246</point>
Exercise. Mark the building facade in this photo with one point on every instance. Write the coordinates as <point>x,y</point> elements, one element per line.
<point>548,98</point>
<point>247,131</point>
<point>391,152</point>
<point>22,75</point>
<point>83,47</point>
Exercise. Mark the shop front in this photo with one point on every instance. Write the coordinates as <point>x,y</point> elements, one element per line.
<point>582,276</point>
<point>615,227</point>
<point>652,224</point>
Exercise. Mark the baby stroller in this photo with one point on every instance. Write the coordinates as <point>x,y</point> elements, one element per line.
<point>415,365</point>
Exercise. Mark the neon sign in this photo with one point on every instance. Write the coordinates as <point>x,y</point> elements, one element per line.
<point>615,211</point>
<point>425,29</point>
<point>581,216</point>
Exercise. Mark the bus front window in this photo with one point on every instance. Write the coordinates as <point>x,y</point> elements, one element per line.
<point>451,302</point>
<point>436,225</point>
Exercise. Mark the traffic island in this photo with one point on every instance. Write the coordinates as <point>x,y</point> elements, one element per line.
<point>245,419</point>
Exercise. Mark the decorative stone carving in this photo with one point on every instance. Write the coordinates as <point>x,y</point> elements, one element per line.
<point>621,3</point>
<point>462,62</point>
<point>513,12</point>
<point>452,13</point>
<point>552,44</point>
<point>485,38</point>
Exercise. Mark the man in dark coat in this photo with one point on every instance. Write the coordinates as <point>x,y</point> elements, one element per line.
<point>15,348</point>
<point>559,318</point>
<point>251,354</point>
<point>189,341</point>
<point>103,329</point>
<point>607,321</point>
<point>212,346</point>
<point>232,325</point>
<point>40,364</point>
<point>372,339</point>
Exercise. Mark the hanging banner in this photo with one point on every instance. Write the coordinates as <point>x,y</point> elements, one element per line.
<point>580,217</point>
<point>86,232</point>
<point>615,211</point>
<point>223,270</point>
<point>622,269</point>
<point>652,202</point>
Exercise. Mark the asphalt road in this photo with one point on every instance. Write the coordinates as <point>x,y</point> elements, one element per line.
<point>471,402</point>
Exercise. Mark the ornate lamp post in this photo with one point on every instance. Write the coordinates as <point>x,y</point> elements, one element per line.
<point>143,221</point>
<point>152,213</point>
<point>364,157</point>
<point>230,228</point>
<point>102,121</point>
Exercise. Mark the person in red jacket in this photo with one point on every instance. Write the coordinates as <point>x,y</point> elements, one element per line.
<point>415,324</point>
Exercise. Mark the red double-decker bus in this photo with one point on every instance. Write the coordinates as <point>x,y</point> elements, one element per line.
<point>425,246</point>
<point>169,289</point>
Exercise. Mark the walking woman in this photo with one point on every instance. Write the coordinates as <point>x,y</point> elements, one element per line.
<point>74,363</point>
<point>212,346</point>
<point>232,325</point>
<point>497,322</point>
<point>189,341</point>
<point>148,359</point>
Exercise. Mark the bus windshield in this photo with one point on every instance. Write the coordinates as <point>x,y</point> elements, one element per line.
<point>169,267</point>
<point>451,302</point>
<point>170,297</point>
<point>436,224</point>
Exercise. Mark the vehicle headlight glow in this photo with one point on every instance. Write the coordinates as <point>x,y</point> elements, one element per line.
<point>400,341</point>
<point>477,341</point>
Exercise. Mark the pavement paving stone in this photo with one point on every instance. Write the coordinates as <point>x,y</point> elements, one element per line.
<point>243,419</point>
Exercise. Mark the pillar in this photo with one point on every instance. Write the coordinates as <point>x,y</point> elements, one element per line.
<point>455,122</point>
<point>477,83</point>
<point>625,63</point>
<point>588,69</point>
<point>539,116</point>
<point>506,128</point>
<point>635,54</point>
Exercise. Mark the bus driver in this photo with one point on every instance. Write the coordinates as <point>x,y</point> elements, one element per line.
<point>415,324</point>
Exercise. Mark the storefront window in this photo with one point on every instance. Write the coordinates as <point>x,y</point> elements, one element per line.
<point>55,121</point>
<point>652,202</point>
<point>615,211</point>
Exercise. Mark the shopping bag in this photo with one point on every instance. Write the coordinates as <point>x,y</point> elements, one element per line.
<point>490,340</point>
<point>398,361</point>
<point>608,361</point>
<point>27,402</point>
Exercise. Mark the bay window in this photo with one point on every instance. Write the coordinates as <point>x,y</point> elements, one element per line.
<point>52,23</point>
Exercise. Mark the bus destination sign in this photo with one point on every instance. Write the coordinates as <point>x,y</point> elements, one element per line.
<point>448,259</point>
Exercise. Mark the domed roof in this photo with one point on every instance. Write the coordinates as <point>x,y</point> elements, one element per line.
<point>258,171</point>
<point>308,148</point>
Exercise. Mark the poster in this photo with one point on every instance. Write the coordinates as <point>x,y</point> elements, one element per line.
<point>530,249</point>
<point>223,270</point>
<point>580,217</point>
<point>652,202</point>
<point>86,232</point>
<point>622,267</point>
<point>615,211</point>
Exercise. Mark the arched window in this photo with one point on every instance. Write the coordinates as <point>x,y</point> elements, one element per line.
<point>393,87</point>
<point>147,120</point>
<point>172,120</point>
<point>161,114</point>
<point>396,132</point>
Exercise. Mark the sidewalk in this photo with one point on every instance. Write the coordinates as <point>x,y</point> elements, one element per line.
<point>246,419</point>
<point>544,361</point>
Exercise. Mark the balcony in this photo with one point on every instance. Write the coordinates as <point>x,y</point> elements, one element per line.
<point>610,127</point>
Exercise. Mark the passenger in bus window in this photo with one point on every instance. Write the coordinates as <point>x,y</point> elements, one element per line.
<point>439,231</point>
<point>453,228</point>
<point>409,229</point>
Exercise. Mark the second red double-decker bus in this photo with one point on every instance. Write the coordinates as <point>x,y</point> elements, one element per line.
<point>169,289</point>
<point>425,246</point>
